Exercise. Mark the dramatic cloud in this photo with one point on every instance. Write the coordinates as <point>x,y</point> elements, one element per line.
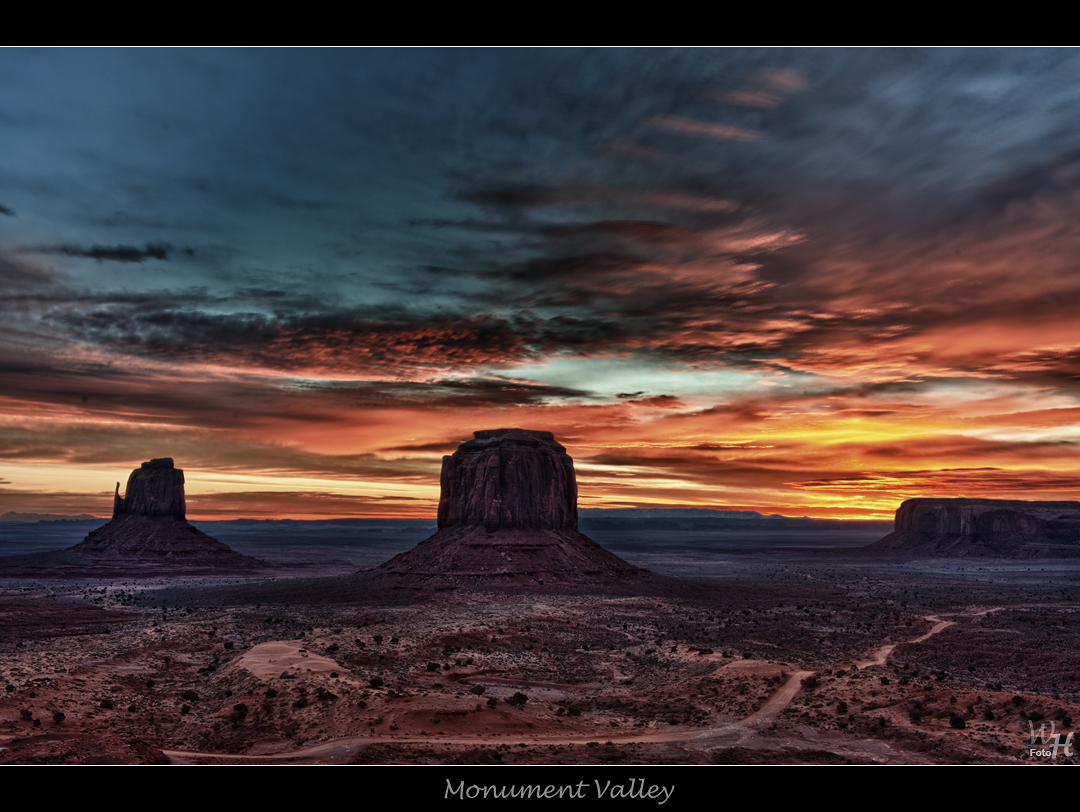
<point>811,281</point>
<point>115,253</point>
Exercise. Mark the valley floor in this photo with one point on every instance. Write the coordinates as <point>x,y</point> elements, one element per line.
<point>815,661</point>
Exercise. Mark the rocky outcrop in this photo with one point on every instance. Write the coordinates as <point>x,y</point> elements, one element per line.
<point>988,528</point>
<point>509,478</point>
<point>149,527</point>
<point>154,489</point>
<point>508,515</point>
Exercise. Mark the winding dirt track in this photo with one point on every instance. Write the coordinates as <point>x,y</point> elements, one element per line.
<point>759,718</point>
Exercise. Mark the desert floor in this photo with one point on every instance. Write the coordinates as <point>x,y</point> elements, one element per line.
<point>815,658</point>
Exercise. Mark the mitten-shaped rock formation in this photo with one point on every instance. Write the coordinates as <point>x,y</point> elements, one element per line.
<point>988,528</point>
<point>149,526</point>
<point>508,515</point>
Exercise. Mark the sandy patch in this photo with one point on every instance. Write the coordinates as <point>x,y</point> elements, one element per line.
<point>269,660</point>
<point>755,667</point>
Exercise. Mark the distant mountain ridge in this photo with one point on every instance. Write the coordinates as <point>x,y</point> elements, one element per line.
<point>13,516</point>
<point>668,513</point>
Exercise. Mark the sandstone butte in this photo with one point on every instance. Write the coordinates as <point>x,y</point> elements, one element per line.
<point>507,516</point>
<point>984,528</point>
<point>149,527</point>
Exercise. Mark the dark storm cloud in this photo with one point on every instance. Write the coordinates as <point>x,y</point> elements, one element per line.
<point>448,447</point>
<point>328,341</point>
<point>7,210</point>
<point>514,196</point>
<point>114,253</point>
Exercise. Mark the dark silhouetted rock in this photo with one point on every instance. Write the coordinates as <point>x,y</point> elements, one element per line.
<point>149,533</point>
<point>508,515</point>
<point>149,525</point>
<point>155,489</point>
<point>989,528</point>
<point>509,479</point>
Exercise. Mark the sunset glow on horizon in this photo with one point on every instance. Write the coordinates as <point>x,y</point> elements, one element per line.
<point>811,282</point>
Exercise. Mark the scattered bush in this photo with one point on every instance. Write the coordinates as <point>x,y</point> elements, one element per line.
<point>58,717</point>
<point>956,722</point>
<point>190,696</point>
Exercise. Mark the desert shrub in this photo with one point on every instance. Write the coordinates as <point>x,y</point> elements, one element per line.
<point>302,702</point>
<point>432,666</point>
<point>185,710</point>
<point>956,722</point>
<point>26,714</point>
<point>190,696</point>
<point>376,682</point>
<point>477,689</point>
<point>107,704</point>
<point>518,700</point>
<point>492,701</point>
<point>841,707</point>
<point>58,717</point>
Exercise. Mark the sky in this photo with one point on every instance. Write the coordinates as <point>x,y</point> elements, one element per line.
<point>801,281</point>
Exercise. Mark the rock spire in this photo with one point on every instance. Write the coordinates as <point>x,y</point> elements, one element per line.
<point>508,515</point>
<point>150,527</point>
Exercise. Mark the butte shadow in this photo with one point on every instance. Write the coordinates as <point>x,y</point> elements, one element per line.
<point>983,528</point>
<point>507,517</point>
<point>148,535</point>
